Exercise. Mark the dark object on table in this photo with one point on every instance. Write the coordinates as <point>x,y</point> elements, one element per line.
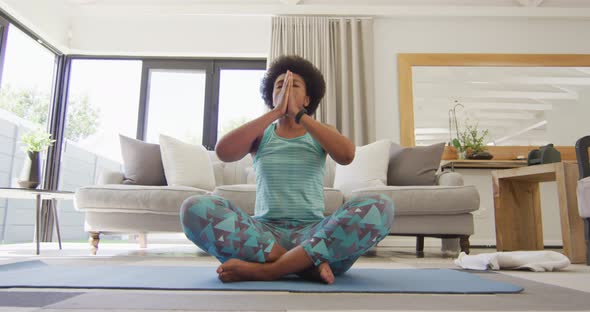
<point>544,155</point>
<point>481,156</point>
<point>30,175</point>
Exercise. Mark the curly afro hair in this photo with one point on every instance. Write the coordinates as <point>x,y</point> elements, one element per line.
<point>315,85</point>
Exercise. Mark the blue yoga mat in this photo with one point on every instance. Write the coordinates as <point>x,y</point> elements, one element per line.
<point>37,274</point>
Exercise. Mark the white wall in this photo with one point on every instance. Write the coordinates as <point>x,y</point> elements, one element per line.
<point>193,36</point>
<point>461,35</point>
<point>49,19</point>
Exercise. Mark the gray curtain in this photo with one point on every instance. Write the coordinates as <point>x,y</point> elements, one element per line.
<point>342,48</point>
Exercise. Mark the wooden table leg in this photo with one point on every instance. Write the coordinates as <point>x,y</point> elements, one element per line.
<point>517,210</point>
<point>572,225</point>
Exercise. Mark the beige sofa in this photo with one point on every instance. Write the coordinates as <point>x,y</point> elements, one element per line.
<point>442,210</point>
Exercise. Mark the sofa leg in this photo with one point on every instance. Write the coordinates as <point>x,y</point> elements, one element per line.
<point>420,246</point>
<point>142,237</point>
<point>464,242</point>
<point>94,239</point>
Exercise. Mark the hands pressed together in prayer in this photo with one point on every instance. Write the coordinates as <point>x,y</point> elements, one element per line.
<point>290,95</point>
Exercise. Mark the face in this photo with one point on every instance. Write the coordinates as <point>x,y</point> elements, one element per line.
<point>298,91</point>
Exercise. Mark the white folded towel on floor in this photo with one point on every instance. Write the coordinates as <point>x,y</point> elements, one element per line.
<point>538,261</point>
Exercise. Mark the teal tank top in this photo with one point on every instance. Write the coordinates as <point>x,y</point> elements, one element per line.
<point>289,178</point>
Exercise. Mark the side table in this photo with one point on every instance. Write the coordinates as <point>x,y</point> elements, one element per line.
<point>517,205</point>
<point>39,195</point>
<point>480,164</point>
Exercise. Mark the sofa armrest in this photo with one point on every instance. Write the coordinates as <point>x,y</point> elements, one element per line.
<point>449,179</point>
<point>110,177</point>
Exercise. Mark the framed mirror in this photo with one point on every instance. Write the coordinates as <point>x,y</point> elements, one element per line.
<point>429,84</point>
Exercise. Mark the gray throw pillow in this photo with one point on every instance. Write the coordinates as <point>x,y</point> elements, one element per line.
<point>414,165</point>
<point>142,162</point>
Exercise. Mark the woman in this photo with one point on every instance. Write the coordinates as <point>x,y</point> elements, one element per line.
<point>288,233</point>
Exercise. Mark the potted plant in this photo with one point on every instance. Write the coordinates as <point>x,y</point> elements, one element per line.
<point>470,142</point>
<point>34,142</point>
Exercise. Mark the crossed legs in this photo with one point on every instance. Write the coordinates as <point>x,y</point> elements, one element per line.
<point>250,249</point>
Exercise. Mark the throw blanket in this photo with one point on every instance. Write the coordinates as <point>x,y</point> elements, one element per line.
<point>538,261</point>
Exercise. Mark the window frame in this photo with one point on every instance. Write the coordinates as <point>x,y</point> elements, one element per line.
<point>212,68</point>
<point>218,66</point>
<point>4,24</point>
<point>50,176</point>
<point>171,64</point>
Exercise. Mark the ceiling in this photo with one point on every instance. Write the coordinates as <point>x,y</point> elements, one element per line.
<point>534,8</point>
<point>517,105</point>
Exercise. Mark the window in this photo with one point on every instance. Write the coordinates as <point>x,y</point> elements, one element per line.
<point>103,101</point>
<point>197,101</point>
<point>25,101</point>
<point>25,96</point>
<point>95,100</point>
<point>239,98</point>
<point>176,102</point>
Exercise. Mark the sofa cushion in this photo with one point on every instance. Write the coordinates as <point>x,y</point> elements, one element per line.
<point>333,198</point>
<point>243,196</point>
<point>133,198</point>
<point>369,165</point>
<point>414,165</point>
<point>458,224</point>
<point>330,172</point>
<point>186,164</point>
<point>142,162</point>
<point>236,172</point>
<point>427,200</point>
<point>250,175</point>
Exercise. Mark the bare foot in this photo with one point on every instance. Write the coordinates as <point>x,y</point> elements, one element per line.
<point>235,270</point>
<point>322,273</point>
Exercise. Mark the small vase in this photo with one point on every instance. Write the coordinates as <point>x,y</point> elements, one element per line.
<point>462,155</point>
<point>30,175</point>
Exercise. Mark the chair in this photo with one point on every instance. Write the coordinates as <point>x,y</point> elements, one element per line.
<point>584,188</point>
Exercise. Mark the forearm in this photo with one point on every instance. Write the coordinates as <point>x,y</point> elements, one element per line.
<point>339,147</point>
<point>239,142</point>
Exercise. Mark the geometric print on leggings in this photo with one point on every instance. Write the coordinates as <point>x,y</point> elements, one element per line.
<point>353,229</point>
<point>222,230</point>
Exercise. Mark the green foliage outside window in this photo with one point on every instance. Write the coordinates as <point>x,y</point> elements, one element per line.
<point>37,140</point>
<point>33,105</point>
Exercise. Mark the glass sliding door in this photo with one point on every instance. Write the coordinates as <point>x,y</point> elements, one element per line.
<point>176,104</point>
<point>26,91</point>
<point>239,94</point>
<point>174,97</point>
<point>103,101</point>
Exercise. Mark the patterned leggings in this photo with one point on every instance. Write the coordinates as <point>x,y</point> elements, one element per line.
<point>225,231</point>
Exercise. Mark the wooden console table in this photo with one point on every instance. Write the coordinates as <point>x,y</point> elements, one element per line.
<point>517,206</point>
<point>481,164</point>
